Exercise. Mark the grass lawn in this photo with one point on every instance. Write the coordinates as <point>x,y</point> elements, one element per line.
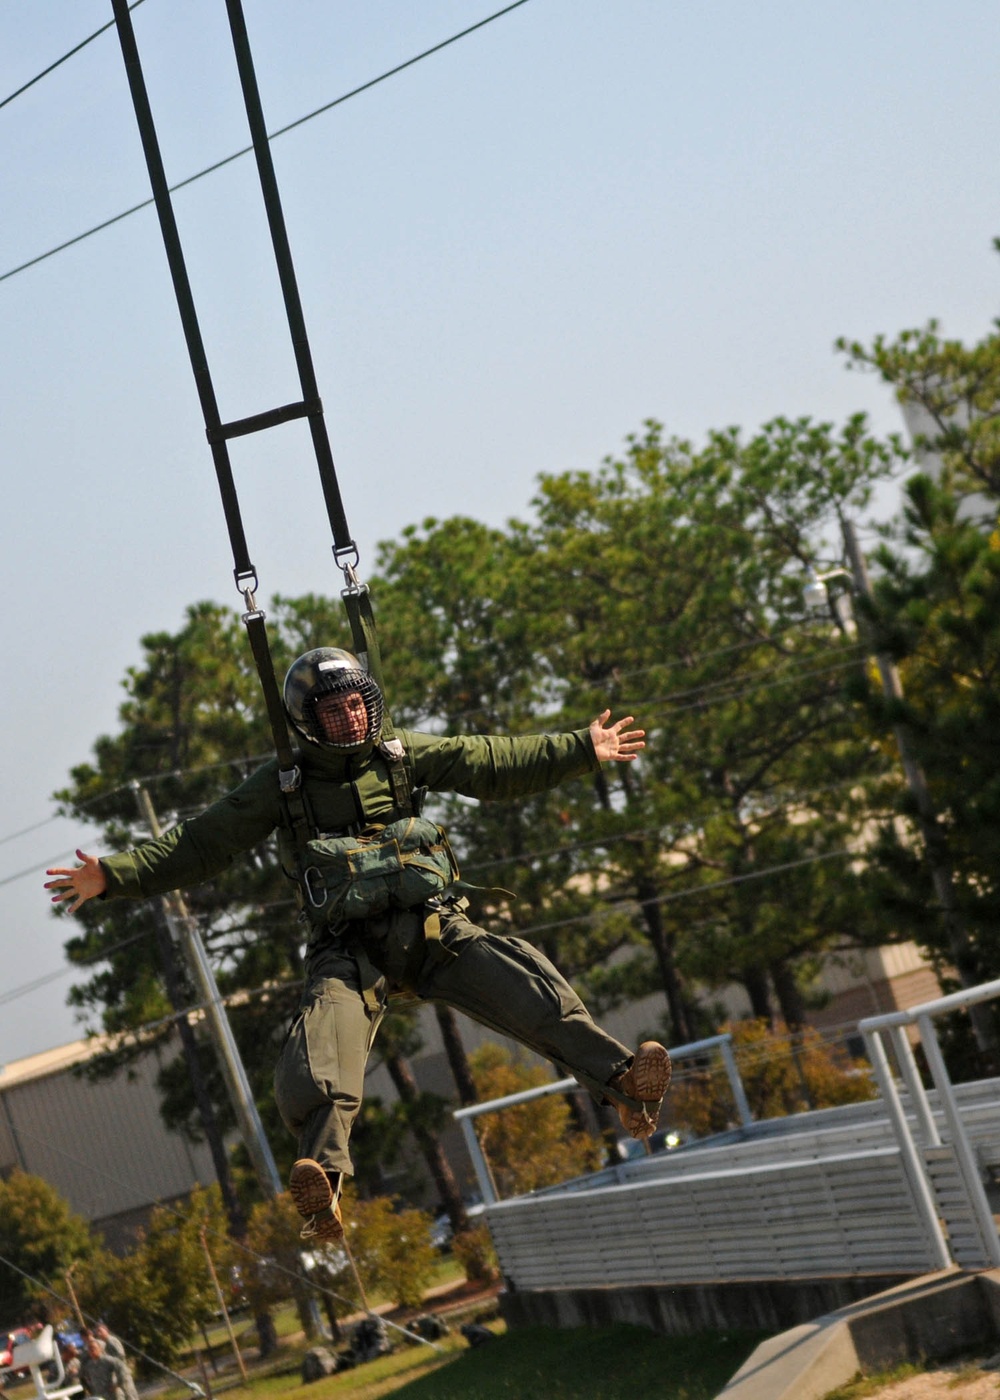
<point>537,1363</point>
<point>609,1363</point>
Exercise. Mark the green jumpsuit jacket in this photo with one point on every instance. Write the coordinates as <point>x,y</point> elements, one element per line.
<point>500,981</point>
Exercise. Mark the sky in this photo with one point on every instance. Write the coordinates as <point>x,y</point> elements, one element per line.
<point>510,255</point>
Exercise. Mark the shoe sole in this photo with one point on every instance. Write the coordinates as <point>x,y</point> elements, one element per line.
<point>309,1187</point>
<point>648,1080</point>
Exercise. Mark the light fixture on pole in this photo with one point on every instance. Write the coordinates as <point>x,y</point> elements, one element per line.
<point>816,597</point>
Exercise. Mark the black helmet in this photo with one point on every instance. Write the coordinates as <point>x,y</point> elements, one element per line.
<point>330,671</point>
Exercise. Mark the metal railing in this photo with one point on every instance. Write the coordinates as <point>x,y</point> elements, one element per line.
<point>892,1025</point>
<point>464,1116</point>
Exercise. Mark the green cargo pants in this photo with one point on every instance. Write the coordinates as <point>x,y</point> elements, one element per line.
<point>502,982</point>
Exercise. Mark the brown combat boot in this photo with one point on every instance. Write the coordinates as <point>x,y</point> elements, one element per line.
<point>647,1079</point>
<point>312,1193</point>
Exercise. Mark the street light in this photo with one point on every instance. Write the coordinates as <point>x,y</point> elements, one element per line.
<point>815,594</point>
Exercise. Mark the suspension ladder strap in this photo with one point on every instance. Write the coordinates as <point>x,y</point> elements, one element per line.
<point>216,430</point>
<point>182,288</point>
<point>345,550</point>
<point>358,603</point>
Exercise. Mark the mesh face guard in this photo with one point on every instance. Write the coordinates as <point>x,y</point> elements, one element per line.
<point>337,728</point>
<point>331,671</point>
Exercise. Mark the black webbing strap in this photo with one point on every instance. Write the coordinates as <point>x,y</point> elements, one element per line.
<point>344,549</point>
<point>243,570</point>
<point>358,603</point>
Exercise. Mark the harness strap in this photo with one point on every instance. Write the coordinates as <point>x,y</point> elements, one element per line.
<point>369,975</point>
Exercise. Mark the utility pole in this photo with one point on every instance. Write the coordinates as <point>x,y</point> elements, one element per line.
<point>167,940</point>
<point>933,837</point>
<point>185,933</point>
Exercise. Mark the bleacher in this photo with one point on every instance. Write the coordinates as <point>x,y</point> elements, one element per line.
<point>817,1194</point>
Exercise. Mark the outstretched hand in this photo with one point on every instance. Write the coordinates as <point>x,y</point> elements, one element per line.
<point>78,883</point>
<point>614,745</point>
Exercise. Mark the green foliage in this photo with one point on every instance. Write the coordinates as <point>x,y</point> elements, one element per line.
<point>937,614</point>
<point>159,1293</point>
<point>782,1073</point>
<point>473,1248</point>
<point>43,1237</point>
<point>391,1247</point>
<point>532,1144</point>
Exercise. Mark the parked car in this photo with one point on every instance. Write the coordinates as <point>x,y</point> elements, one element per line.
<point>8,1341</point>
<point>663,1140</point>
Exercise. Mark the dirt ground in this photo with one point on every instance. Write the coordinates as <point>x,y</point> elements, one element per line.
<point>965,1382</point>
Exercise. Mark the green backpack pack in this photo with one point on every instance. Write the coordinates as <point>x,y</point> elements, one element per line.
<point>397,866</point>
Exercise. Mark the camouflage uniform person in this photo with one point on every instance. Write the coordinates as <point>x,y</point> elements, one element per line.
<point>115,1347</point>
<point>104,1375</point>
<point>349,784</point>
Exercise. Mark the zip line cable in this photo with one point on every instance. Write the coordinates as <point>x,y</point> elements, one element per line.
<point>272,1264</point>
<point>272,136</point>
<point>68,1305</point>
<point>53,66</point>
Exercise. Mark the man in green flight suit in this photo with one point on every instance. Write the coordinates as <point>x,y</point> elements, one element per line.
<point>351,784</point>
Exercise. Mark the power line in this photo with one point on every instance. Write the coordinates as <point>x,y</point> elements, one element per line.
<point>692,892</point>
<point>26,830</point>
<point>146,781</point>
<point>33,869</point>
<point>593,916</point>
<point>14,993</point>
<point>790,675</point>
<point>780,669</point>
<point>53,66</point>
<point>272,136</point>
<point>751,689</point>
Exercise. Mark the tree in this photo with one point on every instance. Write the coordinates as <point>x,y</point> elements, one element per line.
<point>937,614</point>
<point>669,581</point>
<point>41,1237</point>
<point>532,1144</point>
<point>159,1293</point>
<point>781,1073</point>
